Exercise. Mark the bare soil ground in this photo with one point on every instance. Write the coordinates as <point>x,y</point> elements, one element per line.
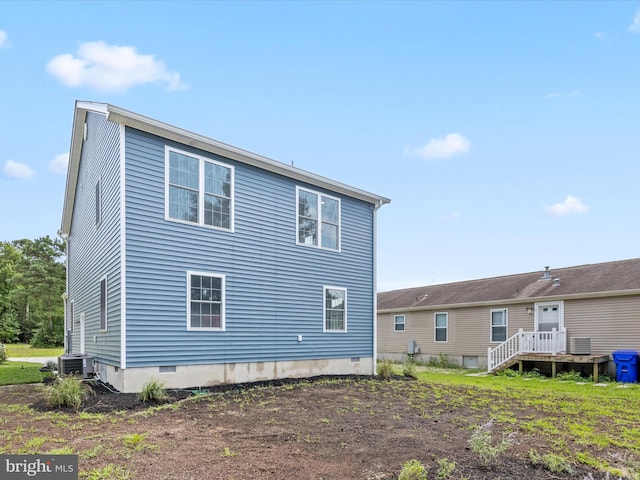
<point>339,429</point>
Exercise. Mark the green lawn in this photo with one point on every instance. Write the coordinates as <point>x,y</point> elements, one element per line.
<point>26,350</point>
<point>12,373</point>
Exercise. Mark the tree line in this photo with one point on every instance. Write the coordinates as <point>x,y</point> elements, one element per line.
<point>32,282</point>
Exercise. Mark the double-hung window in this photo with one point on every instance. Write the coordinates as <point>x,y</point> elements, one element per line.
<point>499,325</point>
<point>318,219</point>
<point>205,304</point>
<point>441,326</point>
<point>335,309</point>
<point>198,190</point>
<point>398,323</point>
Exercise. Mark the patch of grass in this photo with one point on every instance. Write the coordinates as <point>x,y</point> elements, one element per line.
<point>228,453</point>
<point>446,468</point>
<point>413,470</point>
<point>550,461</point>
<point>109,472</point>
<point>67,391</point>
<point>25,350</point>
<point>409,370</point>
<point>135,441</point>
<point>153,391</point>
<point>14,373</point>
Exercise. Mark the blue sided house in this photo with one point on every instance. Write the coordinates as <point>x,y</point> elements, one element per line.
<point>196,263</point>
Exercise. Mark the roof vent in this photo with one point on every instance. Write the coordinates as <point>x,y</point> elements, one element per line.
<point>546,275</point>
<point>556,282</point>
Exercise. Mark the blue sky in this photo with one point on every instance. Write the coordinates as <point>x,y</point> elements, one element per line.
<point>506,134</point>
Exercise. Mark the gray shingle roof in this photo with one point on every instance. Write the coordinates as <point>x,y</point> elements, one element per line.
<point>622,275</point>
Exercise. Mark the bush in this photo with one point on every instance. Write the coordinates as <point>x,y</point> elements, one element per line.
<point>413,470</point>
<point>385,369</point>
<point>409,370</point>
<point>3,354</point>
<point>153,391</point>
<point>67,391</point>
<point>48,337</point>
<point>481,442</point>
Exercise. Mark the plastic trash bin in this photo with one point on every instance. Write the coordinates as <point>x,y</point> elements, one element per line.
<point>626,365</point>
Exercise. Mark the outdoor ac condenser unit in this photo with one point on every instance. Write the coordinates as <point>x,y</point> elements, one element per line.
<point>580,346</point>
<point>76,364</point>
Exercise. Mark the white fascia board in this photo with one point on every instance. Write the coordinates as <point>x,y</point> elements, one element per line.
<point>149,125</point>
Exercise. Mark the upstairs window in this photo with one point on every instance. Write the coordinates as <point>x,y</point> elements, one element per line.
<point>103,304</point>
<point>398,323</point>
<point>499,325</point>
<point>98,202</point>
<point>318,220</point>
<point>198,190</point>
<point>205,306</point>
<point>335,309</point>
<point>441,326</point>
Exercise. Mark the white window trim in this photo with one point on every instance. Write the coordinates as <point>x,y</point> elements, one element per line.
<point>223,302</point>
<point>506,324</point>
<point>324,308</point>
<point>201,162</point>
<point>559,303</point>
<point>435,314</point>
<point>98,200</point>
<point>319,209</point>
<point>404,323</point>
<point>106,304</point>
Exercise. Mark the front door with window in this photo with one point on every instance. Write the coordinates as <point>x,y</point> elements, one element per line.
<point>549,316</point>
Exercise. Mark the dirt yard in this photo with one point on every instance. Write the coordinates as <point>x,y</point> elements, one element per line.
<point>342,429</point>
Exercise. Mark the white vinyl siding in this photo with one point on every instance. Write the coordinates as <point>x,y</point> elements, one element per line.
<point>399,323</point>
<point>499,325</point>
<point>441,326</point>
<point>318,218</point>
<point>198,190</point>
<point>205,301</point>
<point>335,309</point>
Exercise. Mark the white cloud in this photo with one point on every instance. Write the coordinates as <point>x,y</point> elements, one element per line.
<point>59,163</point>
<point>453,216</point>
<point>635,25</point>
<point>601,35</point>
<point>572,94</point>
<point>444,147</point>
<point>18,170</point>
<point>4,39</point>
<point>570,205</point>
<point>111,68</point>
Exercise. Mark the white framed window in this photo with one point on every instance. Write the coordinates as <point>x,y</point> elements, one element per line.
<point>198,190</point>
<point>98,193</point>
<point>499,325</point>
<point>399,323</point>
<point>441,326</point>
<point>103,304</point>
<point>318,218</point>
<point>335,309</point>
<point>205,301</point>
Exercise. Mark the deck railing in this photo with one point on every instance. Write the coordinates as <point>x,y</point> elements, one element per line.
<point>552,342</point>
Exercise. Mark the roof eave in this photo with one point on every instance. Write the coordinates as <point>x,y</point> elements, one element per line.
<point>512,301</point>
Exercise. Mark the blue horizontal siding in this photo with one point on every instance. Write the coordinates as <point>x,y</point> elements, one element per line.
<point>274,288</point>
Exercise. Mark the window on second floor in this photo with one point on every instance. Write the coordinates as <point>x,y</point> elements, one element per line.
<point>103,304</point>
<point>499,325</point>
<point>198,190</point>
<point>441,326</point>
<point>318,219</point>
<point>398,323</point>
<point>98,202</point>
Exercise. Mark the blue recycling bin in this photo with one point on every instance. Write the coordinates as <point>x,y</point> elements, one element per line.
<point>626,365</point>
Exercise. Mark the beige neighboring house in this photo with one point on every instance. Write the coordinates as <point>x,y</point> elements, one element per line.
<point>581,313</point>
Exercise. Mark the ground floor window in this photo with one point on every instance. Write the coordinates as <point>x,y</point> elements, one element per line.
<point>499,325</point>
<point>441,324</point>
<point>398,323</point>
<point>335,309</point>
<point>205,306</point>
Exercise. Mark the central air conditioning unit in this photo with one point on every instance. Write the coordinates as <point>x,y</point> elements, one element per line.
<point>76,364</point>
<point>580,346</point>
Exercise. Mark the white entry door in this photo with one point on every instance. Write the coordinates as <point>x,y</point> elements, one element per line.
<point>549,316</point>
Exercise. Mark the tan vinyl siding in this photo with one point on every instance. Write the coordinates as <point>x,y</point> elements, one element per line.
<point>612,323</point>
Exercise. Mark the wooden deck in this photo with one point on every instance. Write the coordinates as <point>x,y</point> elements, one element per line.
<point>595,360</point>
